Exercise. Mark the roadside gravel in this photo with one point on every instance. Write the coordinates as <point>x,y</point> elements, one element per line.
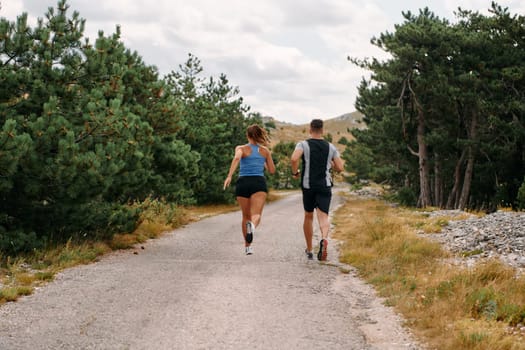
<point>499,235</point>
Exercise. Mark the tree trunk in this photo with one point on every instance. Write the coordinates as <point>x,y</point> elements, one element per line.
<point>469,170</point>
<point>425,192</point>
<point>454,193</point>
<point>424,171</point>
<point>438,182</point>
<point>465,192</point>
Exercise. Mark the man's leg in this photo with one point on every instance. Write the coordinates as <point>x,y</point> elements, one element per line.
<point>308,228</point>
<point>324,223</point>
<point>324,226</point>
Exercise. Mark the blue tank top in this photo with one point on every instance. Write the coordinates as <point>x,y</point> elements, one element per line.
<point>253,165</point>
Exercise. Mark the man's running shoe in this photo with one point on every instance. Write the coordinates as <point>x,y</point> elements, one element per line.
<point>309,255</point>
<point>323,252</point>
<point>248,250</point>
<point>250,230</point>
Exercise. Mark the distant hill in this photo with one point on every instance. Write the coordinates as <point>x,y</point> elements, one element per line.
<point>338,127</point>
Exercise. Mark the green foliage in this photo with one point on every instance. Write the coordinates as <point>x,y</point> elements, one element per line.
<point>70,111</point>
<point>175,164</point>
<point>511,313</point>
<point>99,220</point>
<point>87,128</point>
<point>13,148</point>
<point>405,196</point>
<point>446,109</point>
<point>283,179</point>
<point>359,161</point>
<point>214,123</point>
<point>270,125</point>
<point>482,302</point>
<point>14,242</point>
<point>521,196</point>
<point>343,141</point>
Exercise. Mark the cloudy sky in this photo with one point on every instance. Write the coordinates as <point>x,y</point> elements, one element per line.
<point>288,57</point>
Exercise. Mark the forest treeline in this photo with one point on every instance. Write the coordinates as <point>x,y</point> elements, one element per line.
<point>446,111</point>
<point>86,128</point>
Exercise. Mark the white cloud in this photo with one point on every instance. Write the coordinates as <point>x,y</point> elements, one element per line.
<point>483,6</point>
<point>287,57</point>
<point>10,9</point>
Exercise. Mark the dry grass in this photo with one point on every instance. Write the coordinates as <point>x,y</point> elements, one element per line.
<point>426,224</point>
<point>446,306</point>
<point>13,293</point>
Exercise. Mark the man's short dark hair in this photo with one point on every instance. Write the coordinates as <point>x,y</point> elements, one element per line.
<point>316,124</point>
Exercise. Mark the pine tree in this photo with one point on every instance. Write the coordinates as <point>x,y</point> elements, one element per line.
<point>215,122</point>
<point>85,128</point>
<point>455,92</point>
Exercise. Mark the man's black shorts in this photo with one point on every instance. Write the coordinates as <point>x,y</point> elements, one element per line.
<point>248,185</point>
<point>317,198</point>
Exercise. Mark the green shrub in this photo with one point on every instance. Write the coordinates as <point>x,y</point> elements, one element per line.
<point>406,196</point>
<point>100,220</point>
<point>521,196</point>
<point>14,242</point>
<point>483,303</point>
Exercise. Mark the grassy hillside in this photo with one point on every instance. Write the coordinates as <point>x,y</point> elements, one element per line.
<point>338,127</point>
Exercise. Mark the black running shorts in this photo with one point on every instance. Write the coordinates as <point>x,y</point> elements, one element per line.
<point>248,185</point>
<point>317,198</point>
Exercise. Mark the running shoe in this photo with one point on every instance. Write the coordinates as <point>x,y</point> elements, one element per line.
<point>323,253</point>
<point>250,230</point>
<point>309,255</point>
<point>248,250</point>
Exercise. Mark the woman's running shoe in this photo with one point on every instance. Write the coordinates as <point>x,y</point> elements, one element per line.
<point>250,230</point>
<point>309,255</point>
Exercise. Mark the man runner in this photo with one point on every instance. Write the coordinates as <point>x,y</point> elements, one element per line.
<point>318,157</point>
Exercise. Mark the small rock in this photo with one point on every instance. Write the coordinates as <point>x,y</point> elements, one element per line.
<point>499,234</point>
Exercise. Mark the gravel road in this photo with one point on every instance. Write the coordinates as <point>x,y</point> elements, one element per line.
<point>195,289</point>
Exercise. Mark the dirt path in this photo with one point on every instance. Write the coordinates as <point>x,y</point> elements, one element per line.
<point>195,289</point>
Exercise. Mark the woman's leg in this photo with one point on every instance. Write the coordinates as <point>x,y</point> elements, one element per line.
<point>256,203</point>
<point>244,203</point>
